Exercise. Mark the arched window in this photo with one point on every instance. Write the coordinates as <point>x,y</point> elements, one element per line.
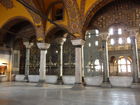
<point>128,40</point>
<point>124,65</point>
<point>97,65</point>
<point>58,12</point>
<point>97,32</point>
<point>112,41</point>
<point>119,31</point>
<point>96,43</point>
<point>111,31</point>
<point>116,30</point>
<point>120,41</point>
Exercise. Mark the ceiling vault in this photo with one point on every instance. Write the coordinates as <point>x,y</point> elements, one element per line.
<point>43,16</point>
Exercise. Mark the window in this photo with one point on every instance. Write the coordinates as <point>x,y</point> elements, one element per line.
<point>119,31</point>
<point>97,65</point>
<point>96,43</point>
<point>124,65</point>
<point>89,36</point>
<point>111,31</point>
<point>128,40</point>
<point>120,41</point>
<point>97,32</point>
<point>112,42</point>
<point>57,12</point>
<point>89,44</point>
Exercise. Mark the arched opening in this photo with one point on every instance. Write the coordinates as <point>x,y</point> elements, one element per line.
<point>60,55</point>
<point>92,60</point>
<point>124,65</point>
<point>13,35</point>
<point>115,21</point>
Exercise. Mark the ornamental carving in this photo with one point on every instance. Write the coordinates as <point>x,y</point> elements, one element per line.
<point>7,3</point>
<point>74,15</point>
<point>82,9</point>
<point>36,18</point>
<point>117,12</point>
<point>91,12</point>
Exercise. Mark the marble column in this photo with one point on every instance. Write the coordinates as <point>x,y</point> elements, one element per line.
<point>27,61</point>
<point>78,43</point>
<point>135,57</point>
<point>105,36</point>
<point>42,70</point>
<point>61,43</point>
<point>83,73</point>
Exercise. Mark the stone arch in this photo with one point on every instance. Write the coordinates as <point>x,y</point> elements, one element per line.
<point>16,19</point>
<point>7,27</point>
<point>92,11</point>
<point>56,36</point>
<point>121,13</point>
<point>52,30</point>
<point>12,34</point>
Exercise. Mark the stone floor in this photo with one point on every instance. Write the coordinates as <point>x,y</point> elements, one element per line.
<point>29,94</point>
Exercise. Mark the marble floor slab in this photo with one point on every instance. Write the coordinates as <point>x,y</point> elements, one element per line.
<point>29,94</point>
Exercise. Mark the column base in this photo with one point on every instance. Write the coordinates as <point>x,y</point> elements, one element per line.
<point>60,81</point>
<point>83,81</point>
<point>135,85</point>
<point>41,83</point>
<point>26,78</point>
<point>78,86</point>
<point>106,85</point>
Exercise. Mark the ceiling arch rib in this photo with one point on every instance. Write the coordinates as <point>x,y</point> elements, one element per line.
<point>42,15</point>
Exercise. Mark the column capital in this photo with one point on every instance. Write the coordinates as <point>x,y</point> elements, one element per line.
<point>104,35</point>
<point>133,32</point>
<point>43,46</point>
<point>78,42</point>
<point>27,44</point>
<point>61,40</point>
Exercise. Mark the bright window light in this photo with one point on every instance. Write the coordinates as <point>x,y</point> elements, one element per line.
<point>89,35</point>
<point>97,32</point>
<point>112,42</point>
<point>111,31</point>
<point>119,31</point>
<point>96,43</point>
<point>97,65</point>
<point>56,51</point>
<point>89,44</point>
<point>120,41</point>
<point>128,40</point>
<point>124,65</point>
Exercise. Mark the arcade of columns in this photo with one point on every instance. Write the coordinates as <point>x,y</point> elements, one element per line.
<point>78,44</point>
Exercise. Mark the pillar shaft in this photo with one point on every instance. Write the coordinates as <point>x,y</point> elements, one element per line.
<point>27,63</point>
<point>61,60</point>
<point>83,74</point>
<point>105,61</point>
<point>135,59</point>
<point>42,69</point>
<point>78,65</point>
<point>78,43</point>
<point>106,83</point>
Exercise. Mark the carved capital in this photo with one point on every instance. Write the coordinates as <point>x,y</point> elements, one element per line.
<point>133,32</point>
<point>78,42</point>
<point>43,46</point>
<point>104,35</point>
<point>60,40</point>
<point>28,45</point>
